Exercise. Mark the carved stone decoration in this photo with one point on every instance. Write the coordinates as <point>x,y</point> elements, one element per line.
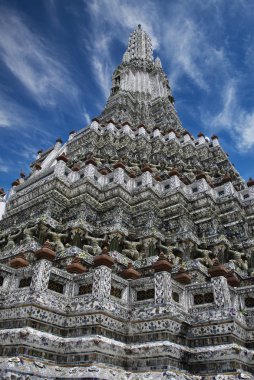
<point>146,168</point>
<point>19,261</point>
<point>91,161</point>
<point>162,264</point>
<point>41,275</point>
<point>217,270</point>
<point>221,291</point>
<point>130,273</point>
<point>101,282</point>
<point>62,157</point>
<point>232,279</point>
<point>104,259</point>
<point>104,171</point>
<point>163,287</point>
<point>182,276</point>
<point>76,266</point>
<point>46,252</point>
<point>119,164</point>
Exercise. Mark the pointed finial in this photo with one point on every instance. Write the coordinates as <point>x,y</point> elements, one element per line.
<point>139,46</point>
<point>158,62</point>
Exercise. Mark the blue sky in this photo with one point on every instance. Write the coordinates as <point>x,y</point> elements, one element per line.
<point>57,57</point>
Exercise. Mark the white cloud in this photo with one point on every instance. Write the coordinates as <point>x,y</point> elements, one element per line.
<point>16,117</point>
<point>5,120</point>
<point>12,116</point>
<point>232,118</point>
<point>125,16</point>
<point>101,63</point>
<point>190,53</point>
<point>27,151</point>
<point>86,116</point>
<point>4,168</point>
<point>32,61</point>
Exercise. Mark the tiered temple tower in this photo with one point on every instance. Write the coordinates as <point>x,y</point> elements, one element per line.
<point>127,252</point>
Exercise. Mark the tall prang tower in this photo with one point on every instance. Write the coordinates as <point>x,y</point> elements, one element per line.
<point>140,92</point>
<point>128,251</point>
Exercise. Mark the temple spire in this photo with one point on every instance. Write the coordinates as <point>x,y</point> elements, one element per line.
<point>139,46</point>
<point>140,92</point>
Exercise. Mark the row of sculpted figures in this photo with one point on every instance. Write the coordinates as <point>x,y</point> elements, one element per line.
<point>131,246</point>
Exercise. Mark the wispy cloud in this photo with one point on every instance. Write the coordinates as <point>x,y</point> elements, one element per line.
<point>125,16</point>
<point>20,134</point>
<point>18,118</point>
<point>6,166</point>
<point>12,115</point>
<point>33,62</point>
<point>101,62</point>
<point>86,116</point>
<point>190,53</point>
<point>3,167</point>
<point>27,151</point>
<point>5,119</point>
<point>234,119</point>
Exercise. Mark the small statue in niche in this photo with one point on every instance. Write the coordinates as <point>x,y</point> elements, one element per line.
<point>239,258</point>
<point>220,249</point>
<point>186,246</point>
<point>162,248</point>
<point>29,233</point>
<point>246,261</point>
<point>94,246</point>
<point>76,239</point>
<point>57,237</point>
<point>131,251</point>
<point>152,249</point>
<point>42,233</point>
<point>87,247</point>
<point>115,241</point>
<point>114,244</point>
<point>11,239</point>
<point>149,247</point>
<point>175,255</point>
<point>96,249</point>
<point>77,236</point>
<point>204,256</point>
